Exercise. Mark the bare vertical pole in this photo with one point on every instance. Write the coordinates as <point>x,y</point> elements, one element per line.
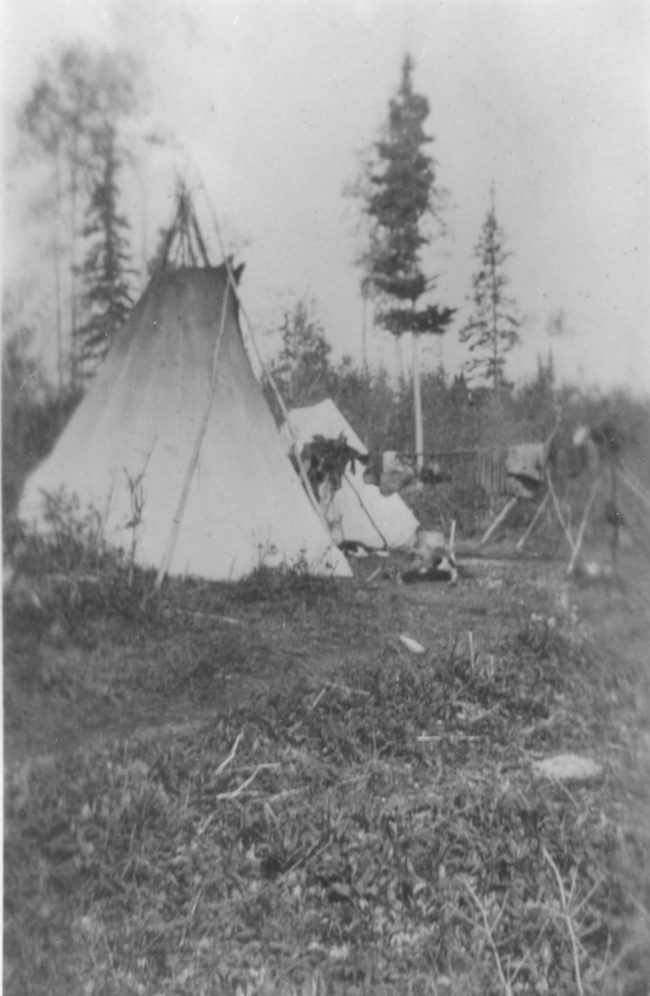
<point>57,275</point>
<point>615,515</point>
<point>364,336</point>
<point>558,511</point>
<point>417,402</point>
<point>583,525</point>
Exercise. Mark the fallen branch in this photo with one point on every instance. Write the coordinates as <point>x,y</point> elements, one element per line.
<point>345,688</point>
<point>567,916</point>
<point>332,684</point>
<point>586,899</point>
<point>317,699</point>
<point>284,794</point>
<point>214,615</point>
<point>195,613</point>
<point>190,916</point>
<point>258,767</point>
<point>240,788</point>
<point>488,930</point>
<point>227,760</point>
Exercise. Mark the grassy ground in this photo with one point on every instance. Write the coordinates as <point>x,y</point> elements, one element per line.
<point>259,789</point>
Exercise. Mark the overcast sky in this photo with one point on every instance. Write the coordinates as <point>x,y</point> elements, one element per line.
<point>269,101</point>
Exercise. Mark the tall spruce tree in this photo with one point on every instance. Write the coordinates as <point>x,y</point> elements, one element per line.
<point>402,197</point>
<point>493,328</point>
<point>105,273</point>
<point>76,93</point>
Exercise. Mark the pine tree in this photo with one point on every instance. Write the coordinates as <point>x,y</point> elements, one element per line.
<point>76,93</point>
<point>493,328</point>
<point>303,369</point>
<point>105,272</point>
<point>401,197</point>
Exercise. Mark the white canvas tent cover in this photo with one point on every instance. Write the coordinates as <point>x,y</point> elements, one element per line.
<point>176,407</point>
<point>357,512</point>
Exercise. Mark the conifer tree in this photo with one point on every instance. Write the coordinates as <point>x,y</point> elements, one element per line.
<point>105,272</point>
<point>402,196</point>
<point>303,369</point>
<point>493,328</point>
<point>77,92</point>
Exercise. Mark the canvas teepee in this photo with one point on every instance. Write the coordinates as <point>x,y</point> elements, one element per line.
<point>176,420</point>
<point>356,512</point>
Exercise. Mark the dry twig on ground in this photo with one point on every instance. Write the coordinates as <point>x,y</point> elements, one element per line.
<point>566,913</point>
<point>224,764</point>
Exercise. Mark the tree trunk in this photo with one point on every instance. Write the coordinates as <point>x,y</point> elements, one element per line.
<point>77,357</point>
<point>364,338</point>
<point>57,273</point>
<point>417,402</point>
<point>495,323</point>
<point>144,227</point>
<point>399,361</point>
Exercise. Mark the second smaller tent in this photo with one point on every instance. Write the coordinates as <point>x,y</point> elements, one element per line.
<point>355,512</point>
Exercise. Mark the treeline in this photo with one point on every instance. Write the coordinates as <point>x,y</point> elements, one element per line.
<point>34,413</point>
<point>75,140</point>
<point>81,129</point>
<point>79,134</point>
<point>455,417</point>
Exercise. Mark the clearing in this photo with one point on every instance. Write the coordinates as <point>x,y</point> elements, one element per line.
<point>258,788</point>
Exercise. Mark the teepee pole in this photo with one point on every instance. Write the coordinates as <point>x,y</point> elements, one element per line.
<point>199,239</point>
<point>161,262</point>
<point>558,511</point>
<point>365,509</point>
<point>583,525</point>
<point>634,486</point>
<point>267,373</point>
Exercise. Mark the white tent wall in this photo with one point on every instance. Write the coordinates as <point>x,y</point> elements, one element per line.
<point>245,505</point>
<point>357,512</point>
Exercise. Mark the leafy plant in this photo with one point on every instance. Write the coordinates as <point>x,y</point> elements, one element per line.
<point>70,568</point>
<point>303,369</point>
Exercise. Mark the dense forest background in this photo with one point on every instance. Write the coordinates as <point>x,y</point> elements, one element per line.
<point>76,132</point>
